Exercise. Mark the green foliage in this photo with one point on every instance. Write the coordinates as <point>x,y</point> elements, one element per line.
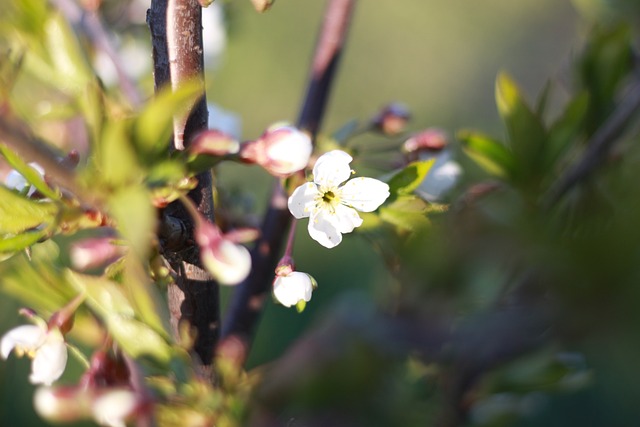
<point>18,213</point>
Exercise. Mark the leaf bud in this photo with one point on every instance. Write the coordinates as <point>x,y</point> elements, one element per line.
<point>392,119</point>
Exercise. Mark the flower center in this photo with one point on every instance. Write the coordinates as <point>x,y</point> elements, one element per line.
<point>328,197</point>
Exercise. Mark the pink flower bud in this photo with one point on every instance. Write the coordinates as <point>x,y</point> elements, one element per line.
<point>228,262</point>
<point>432,139</point>
<point>214,143</point>
<point>392,119</point>
<point>93,253</point>
<point>282,151</point>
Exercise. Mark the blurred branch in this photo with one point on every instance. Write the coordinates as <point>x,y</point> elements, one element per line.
<point>89,22</point>
<point>248,300</point>
<point>19,138</point>
<point>176,34</point>
<point>599,146</point>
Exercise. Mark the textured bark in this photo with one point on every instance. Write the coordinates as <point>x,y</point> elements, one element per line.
<point>176,32</point>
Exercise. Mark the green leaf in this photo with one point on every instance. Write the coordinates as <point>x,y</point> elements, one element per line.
<point>408,179</point>
<point>17,213</point>
<point>606,62</point>
<point>21,241</point>
<point>135,216</point>
<point>109,301</point>
<point>66,55</point>
<point>116,158</point>
<point>30,174</point>
<point>154,126</point>
<point>566,128</point>
<point>489,154</point>
<point>137,338</point>
<point>36,281</point>
<point>407,213</point>
<point>527,135</point>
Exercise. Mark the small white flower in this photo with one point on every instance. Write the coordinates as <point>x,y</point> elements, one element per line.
<point>291,288</point>
<point>46,347</point>
<point>114,406</point>
<point>331,207</point>
<point>16,181</point>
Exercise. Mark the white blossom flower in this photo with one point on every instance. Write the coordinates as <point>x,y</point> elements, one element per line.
<point>16,181</point>
<point>331,207</point>
<point>46,347</point>
<point>291,288</point>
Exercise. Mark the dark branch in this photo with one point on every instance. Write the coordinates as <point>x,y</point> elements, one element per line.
<point>248,301</point>
<point>176,34</point>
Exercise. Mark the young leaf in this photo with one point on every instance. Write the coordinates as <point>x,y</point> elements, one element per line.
<point>21,241</point>
<point>108,300</point>
<point>31,175</point>
<point>566,128</point>
<point>527,135</point>
<point>18,213</point>
<point>488,153</point>
<point>409,178</point>
<point>153,128</point>
<point>136,217</point>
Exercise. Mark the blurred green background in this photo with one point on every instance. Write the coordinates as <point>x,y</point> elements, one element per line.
<point>439,57</point>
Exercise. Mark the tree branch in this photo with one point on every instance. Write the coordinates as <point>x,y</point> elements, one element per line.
<point>176,33</point>
<point>248,300</point>
<point>89,22</point>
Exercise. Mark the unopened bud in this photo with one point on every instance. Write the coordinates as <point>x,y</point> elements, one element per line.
<point>214,143</point>
<point>292,287</point>
<point>112,407</point>
<point>432,139</point>
<point>392,119</point>
<point>61,404</point>
<point>282,151</point>
<point>93,253</point>
<point>262,5</point>
<point>228,262</point>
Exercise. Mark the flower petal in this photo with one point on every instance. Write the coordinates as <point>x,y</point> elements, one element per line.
<point>50,359</point>
<point>26,337</point>
<point>294,287</point>
<point>332,169</point>
<point>364,194</point>
<point>324,228</point>
<point>303,200</point>
<point>346,219</point>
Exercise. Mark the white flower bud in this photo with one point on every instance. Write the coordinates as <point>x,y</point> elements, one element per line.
<point>281,150</point>
<point>228,262</point>
<point>291,288</point>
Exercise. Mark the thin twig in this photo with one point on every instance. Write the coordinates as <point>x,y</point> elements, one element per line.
<point>248,300</point>
<point>19,138</point>
<point>89,22</point>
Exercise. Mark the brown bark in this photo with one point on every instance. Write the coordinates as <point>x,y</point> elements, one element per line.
<point>176,31</point>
